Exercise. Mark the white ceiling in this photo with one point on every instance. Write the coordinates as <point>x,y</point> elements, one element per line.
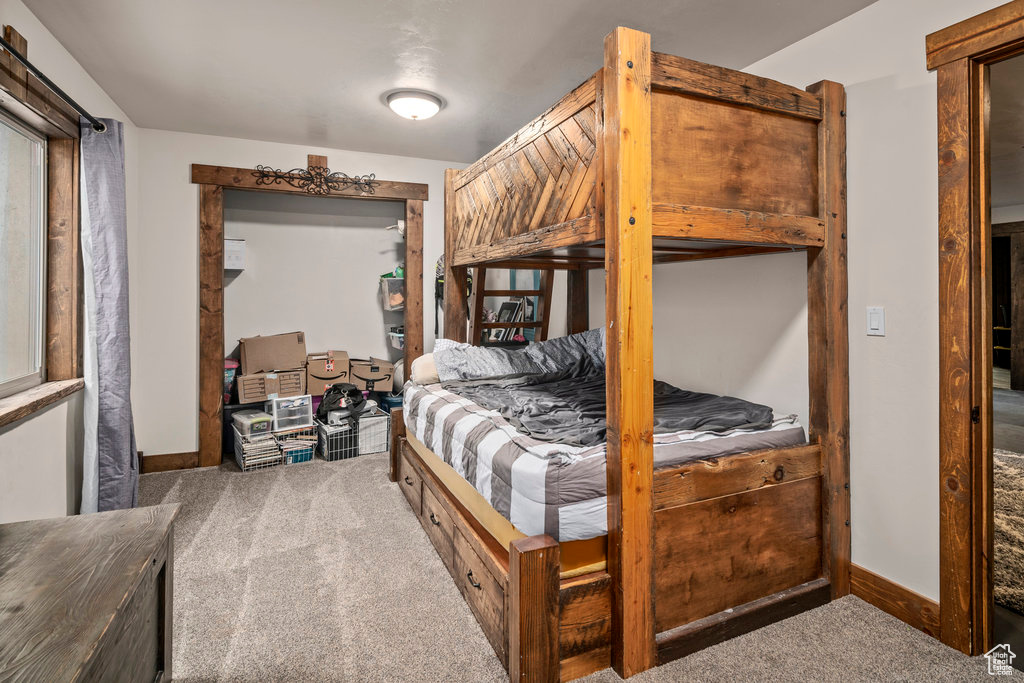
<point>313,71</point>
<point>1006,126</point>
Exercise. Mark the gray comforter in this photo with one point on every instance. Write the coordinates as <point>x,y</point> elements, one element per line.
<point>567,406</point>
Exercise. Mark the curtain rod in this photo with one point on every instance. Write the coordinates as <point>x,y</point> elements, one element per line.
<point>97,125</point>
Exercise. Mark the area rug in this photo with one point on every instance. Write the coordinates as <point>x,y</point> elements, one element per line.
<point>1008,501</point>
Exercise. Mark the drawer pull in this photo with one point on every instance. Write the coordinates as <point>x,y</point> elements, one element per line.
<point>433,520</point>
<point>474,584</point>
<point>408,481</point>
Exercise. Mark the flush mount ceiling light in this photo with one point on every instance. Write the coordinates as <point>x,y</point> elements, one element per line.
<point>414,104</point>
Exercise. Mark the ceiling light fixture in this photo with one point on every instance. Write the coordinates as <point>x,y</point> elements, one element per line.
<point>414,104</point>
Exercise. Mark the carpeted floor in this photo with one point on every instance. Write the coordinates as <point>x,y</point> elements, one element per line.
<point>319,571</point>
<point>1008,505</point>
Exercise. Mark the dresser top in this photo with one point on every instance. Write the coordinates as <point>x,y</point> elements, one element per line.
<point>62,582</point>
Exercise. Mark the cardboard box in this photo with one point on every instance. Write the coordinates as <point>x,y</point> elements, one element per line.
<point>324,369</point>
<point>372,375</point>
<point>276,352</point>
<point>263,386</point>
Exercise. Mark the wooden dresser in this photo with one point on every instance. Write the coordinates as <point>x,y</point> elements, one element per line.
<point>88,598</point>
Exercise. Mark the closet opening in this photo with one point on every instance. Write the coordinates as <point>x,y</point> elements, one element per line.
<point>284,209</point>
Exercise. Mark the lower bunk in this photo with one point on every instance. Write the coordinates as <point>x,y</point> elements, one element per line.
<point>738,545</point>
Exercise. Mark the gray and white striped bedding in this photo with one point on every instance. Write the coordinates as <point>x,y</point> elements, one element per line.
<point>553,488</point>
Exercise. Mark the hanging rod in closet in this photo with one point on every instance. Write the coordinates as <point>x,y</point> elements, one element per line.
<point>97,125</point>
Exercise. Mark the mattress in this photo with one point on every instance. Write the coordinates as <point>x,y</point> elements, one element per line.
<point>552,488</point>
<point>575,558</point>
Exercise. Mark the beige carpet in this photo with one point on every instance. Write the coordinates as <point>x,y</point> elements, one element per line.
<point>1008,504</point>
<point>319,571</point>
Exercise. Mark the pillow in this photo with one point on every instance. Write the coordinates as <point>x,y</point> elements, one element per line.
<point>424,371</point>
<point>459,361</point>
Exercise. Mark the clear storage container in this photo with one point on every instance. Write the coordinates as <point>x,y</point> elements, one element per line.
<point>290,413</point>
<point>392,293</point>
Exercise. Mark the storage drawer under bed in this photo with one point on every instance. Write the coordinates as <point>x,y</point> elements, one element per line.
<point>411,482</point>
<point>482,591</point>
<point>439,527</point>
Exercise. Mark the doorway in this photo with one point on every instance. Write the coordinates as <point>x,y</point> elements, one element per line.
<point>976,155</point>
<point>1006,300</point>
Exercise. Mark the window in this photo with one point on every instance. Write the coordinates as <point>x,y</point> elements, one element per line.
<point>22,256</point>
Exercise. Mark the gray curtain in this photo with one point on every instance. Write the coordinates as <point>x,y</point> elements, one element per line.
<point>110,477</point>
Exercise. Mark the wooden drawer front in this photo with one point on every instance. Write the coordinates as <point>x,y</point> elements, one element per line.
<point>485,595</point>
<point>440,528</point>
<point>411,483</point>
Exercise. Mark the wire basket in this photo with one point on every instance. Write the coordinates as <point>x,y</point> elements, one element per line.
<point>297,445</point>
<point>370,435</point>
<point>256,453</point>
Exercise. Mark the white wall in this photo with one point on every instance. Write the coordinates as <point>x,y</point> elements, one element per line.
<point>40,457</point>
<point>41,464</point>
<point>312,264</point>
<point>879,55</point>
<point>730,326</point>
<point>165,333</point>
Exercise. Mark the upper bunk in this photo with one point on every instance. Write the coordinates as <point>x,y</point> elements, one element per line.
<point>737,168</point>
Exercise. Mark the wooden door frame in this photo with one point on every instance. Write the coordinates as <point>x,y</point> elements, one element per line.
<point>212,181</point>
<point>961,55</point>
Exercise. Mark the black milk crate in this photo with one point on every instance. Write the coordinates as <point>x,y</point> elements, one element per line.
<point>371,435</point>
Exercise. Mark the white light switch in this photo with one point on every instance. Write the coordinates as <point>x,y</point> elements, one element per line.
<point>876,321</point>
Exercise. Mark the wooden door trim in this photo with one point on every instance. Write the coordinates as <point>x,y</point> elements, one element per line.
<point>961,54</point>
<point>212,181</point>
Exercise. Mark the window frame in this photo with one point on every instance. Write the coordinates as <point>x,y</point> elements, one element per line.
<point>30,102</point>
<point>19,384</point>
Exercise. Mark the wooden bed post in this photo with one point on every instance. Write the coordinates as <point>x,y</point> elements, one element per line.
<point>828,340</point>
<point>578,301</point>
<point>455,311</point>
<point>397,434</point>
<point>533,651</point>
<point>630,348</point>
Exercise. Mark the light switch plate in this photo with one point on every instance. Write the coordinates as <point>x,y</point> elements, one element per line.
<point>876,321</point>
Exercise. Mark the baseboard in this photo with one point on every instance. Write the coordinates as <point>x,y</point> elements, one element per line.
<point>913,608</point>
<point>166,462</point>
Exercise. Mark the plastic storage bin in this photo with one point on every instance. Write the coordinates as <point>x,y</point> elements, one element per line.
<point>290,413</point>
<point>370,435</point>
<point>392,293</point>
<point>230,372</point>
<point>392,402</point>
<point>252,422</point>
<point>396,335</point>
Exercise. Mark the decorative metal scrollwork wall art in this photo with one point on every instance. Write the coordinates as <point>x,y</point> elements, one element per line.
<point>318,180</point>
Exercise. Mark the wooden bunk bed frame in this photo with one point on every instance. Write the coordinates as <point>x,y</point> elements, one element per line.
<point>654,159</point>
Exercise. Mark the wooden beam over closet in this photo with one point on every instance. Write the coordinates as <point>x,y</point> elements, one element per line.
<point>212,181</point>
<point>249,179</point>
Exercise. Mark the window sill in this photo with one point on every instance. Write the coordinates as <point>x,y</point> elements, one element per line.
<point>25,403</point>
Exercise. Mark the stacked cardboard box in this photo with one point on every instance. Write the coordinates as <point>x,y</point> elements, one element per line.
<point>324,369</point>
<point>272,367</point>
<point>277,366</point>
<point>374,374</point>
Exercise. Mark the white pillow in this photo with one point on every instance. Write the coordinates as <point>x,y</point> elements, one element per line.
<point>424,371</point>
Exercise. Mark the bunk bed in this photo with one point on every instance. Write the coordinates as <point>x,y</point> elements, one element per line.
<point>654,159</point>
